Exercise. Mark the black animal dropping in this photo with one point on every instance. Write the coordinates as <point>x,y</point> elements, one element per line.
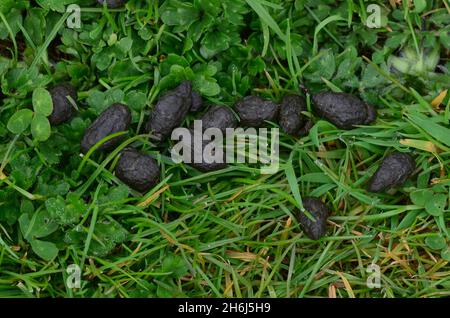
<point>170,111</point>
<point>63,109</point>
<point>220,117</point>
<point>320,212</point>
<point>393,171</point>
<point>291,119</point>
<point>206,166</point>
<point>343,110</point>
<point>137,170</point>
<point>254,111</point>
<point>197,102</point>
<point>205,155</point>
<point>114,119</point>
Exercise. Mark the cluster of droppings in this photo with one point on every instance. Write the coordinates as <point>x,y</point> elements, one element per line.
<point>141,172</point>
<point>138,170</point>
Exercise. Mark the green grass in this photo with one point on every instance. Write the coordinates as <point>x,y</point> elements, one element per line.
<point>229,233</point>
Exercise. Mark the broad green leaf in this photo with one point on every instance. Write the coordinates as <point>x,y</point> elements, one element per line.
<point>111,231</point>
<point>26,206</point>
<point>125,44</point>
<point>61,212</point>
<point>324,67</point>
<point>136,100</point>
<point>108,234</point>
<point>24,223</point>
<point>45,250</point>
<point>420,5</point>
<point>55,207</point>
<point>20,121</point>
<point>6,5</point>
<point>436,205</point>
<point>13,18</point>
<point>371,77</point>
<point>164,292</point>
<point>40,225</point>
<point>216,42</point>
<point>118,194</point>
<point>175,265</point>
<point>42,102</point>
<point>40,127</point>
<point>55,5</point>
<point>421,197</point>
<point>213,7</point>
<point>256,66</point>
<point>203,80</point>
<point>178,13</point>
<point>35,25</point>
<point>207,86</point>
<point>435,242</point>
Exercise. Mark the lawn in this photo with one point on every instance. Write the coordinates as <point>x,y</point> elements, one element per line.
<point>232,232</point>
